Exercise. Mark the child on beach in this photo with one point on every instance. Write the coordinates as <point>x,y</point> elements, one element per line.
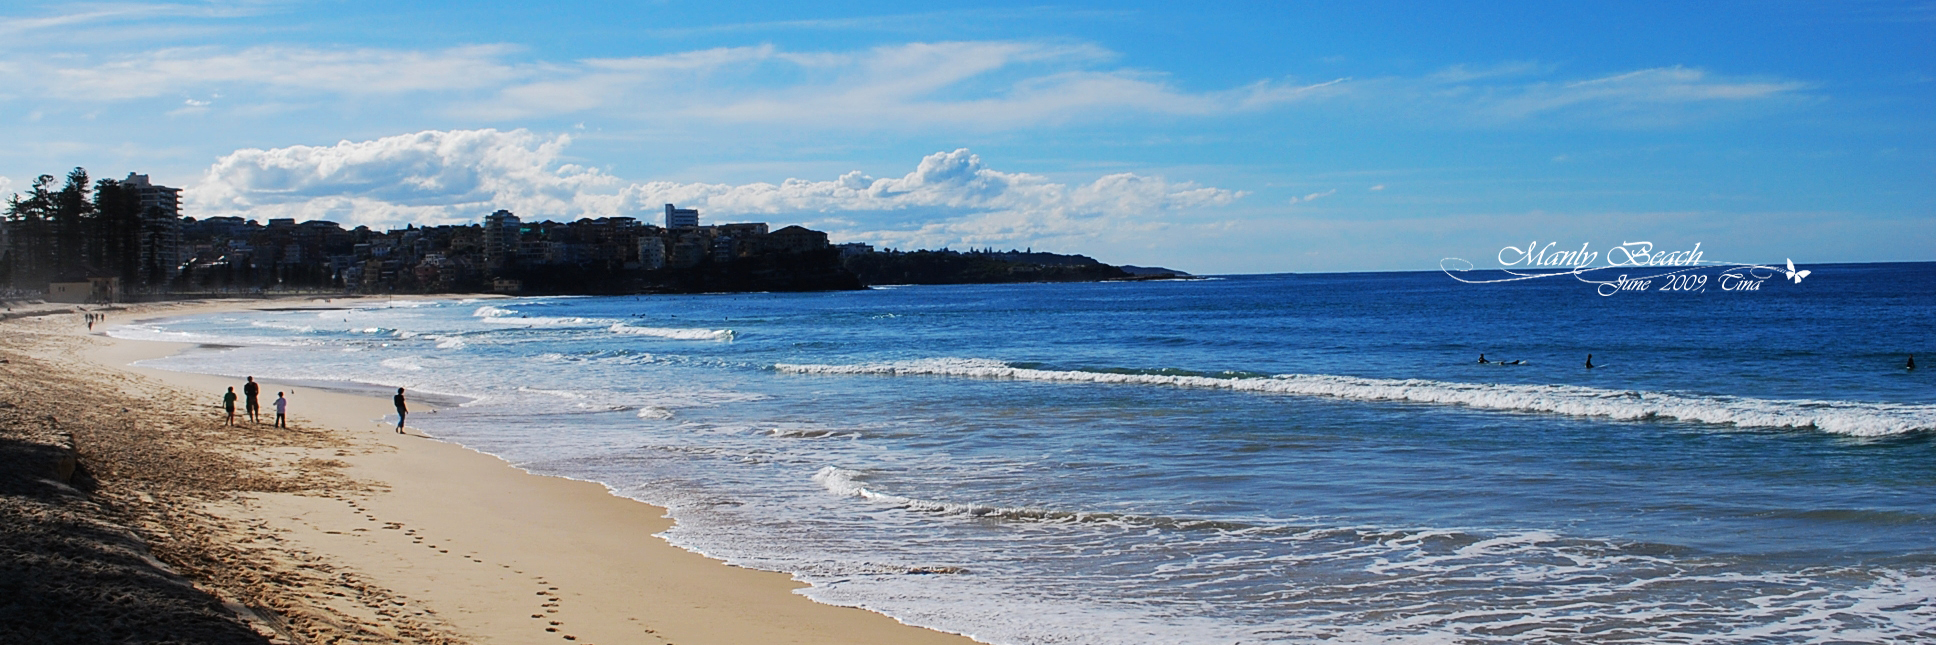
<point>282,406</point>
<point>228,401</point>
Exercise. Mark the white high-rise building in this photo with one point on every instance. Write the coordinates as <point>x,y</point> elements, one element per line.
<point>161,252</point>
<point>502,233</point>
<point>681,217</point>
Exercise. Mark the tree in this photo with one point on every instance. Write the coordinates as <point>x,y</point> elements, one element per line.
<point>31,261</point>
<point>116,232</point>
<point>71,212</point>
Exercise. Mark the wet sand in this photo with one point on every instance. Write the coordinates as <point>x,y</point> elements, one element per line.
<point>343,530</point>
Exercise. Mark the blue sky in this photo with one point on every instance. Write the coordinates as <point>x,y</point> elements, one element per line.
<point>1236,138</point>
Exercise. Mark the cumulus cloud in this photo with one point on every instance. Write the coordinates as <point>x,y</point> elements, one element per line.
<point>437,177</point>
<point>953,199</point>
<point>430,177</point>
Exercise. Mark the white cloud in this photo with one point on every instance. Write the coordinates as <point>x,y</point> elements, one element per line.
<point>279,69</point>
<point>1322,195</point>
<point>953,199</point>
<point>437,177</point>
<point>94,14</point>
<point>431,177</point>
<point>980,84</point>
<point>1642,88</point>
<point>985,84</point>
<point>904,85</point>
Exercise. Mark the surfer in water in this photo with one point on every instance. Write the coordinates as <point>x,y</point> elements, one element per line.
<point>1910,366</point>
<point>1483,361</point>
<point>1589,361</point>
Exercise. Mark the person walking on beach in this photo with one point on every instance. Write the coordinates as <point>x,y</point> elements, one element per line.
<point>282,407</point>
<point>401,410</point>
<point>228,401</point>
<point>250,394</point>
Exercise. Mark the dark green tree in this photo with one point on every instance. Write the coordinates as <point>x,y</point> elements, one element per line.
<point>72,210</point>
<point>31,260</point>
<point>116,231</point>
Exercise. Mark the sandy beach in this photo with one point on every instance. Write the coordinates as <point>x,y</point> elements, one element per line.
<point>340,530</point>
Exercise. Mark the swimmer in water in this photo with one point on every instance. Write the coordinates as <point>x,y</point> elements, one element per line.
<point>1589,361</point>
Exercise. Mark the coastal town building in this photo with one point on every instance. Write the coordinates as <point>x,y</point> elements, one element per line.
<point>501,236</point>
<point>681,217</point>
<point>160,241</point>
<point>501,252</point>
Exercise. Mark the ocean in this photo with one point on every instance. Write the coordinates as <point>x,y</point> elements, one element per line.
<point>1242,459</point>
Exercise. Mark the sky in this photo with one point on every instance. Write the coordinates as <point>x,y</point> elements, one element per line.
<point>1239,137</point>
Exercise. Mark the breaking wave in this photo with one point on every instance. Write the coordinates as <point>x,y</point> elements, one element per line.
<point>674,332</point>
<point>501,315</point>
<point>1841,417</point>
<point>845,483</point>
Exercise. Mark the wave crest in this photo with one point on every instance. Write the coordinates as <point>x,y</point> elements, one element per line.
<point>674,332</point>
<point>1841,417</point>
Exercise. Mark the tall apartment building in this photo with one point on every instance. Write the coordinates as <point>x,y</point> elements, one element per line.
<point>502,232</point>
<point>680,217</point>
<point>161,235</point>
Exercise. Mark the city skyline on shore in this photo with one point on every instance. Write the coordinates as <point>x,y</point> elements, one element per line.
<point>1232,139</point>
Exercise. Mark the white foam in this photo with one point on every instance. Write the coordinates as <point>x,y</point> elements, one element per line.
<point>844,483</point>
<point>270,324</point>
<point>674,333</point>
<point>1840,417</point>
<point>405,363</point>
<point>548,321</point>
<point>155,333</point>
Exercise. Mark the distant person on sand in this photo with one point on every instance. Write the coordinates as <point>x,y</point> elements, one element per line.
<point>401,410</point>
<point>282,407</point>
<point>228,401</point>
<point>251,401</point>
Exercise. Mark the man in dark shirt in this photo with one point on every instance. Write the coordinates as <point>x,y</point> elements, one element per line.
<point>400,410</point>
<point>249,393</point>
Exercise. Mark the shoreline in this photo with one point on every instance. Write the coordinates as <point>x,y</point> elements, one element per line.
<point>492,552</point>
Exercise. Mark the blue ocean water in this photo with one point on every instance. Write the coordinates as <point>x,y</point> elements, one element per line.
<point>1246,459</point>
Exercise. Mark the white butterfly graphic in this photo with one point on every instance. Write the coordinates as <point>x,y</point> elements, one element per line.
<point>1796,275</point>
